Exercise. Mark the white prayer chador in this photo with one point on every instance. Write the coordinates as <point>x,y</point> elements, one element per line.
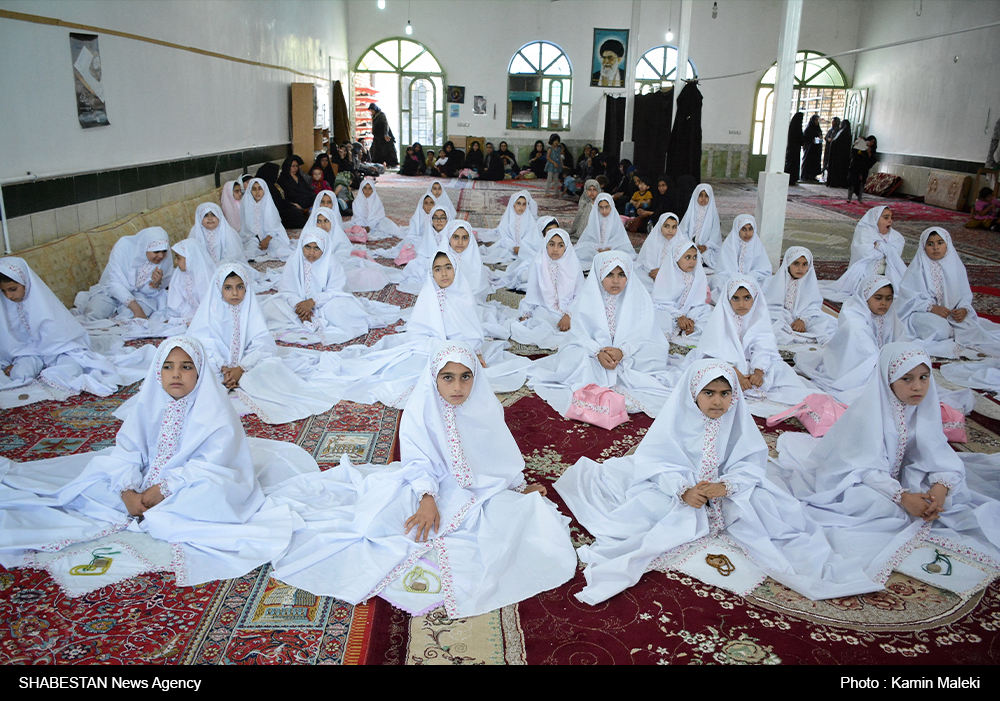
<point>943,283</point>
<point>634,505</point>
<point>553,286</point>
<point>516,275</point>
<point>333,206</point>
<point>603,232</point>
<point>127,277</point>
<point>513,230</point>
<point>747,343</point>
<point>871,254</point>
<point>387,371</point>
<point>431,241</point>
<point>369,212</point>
<point>852,479</point>
<point>363,275</point>
<point>230,205</point>
<point>739,257</point>
<point>188,287</point>
<point>470,262</point>
<point>223,243</point>
<point>655,251</point>
<point>260,220</point>
<point>789,299</point>
<point>338,315</point>
<point>215,513</point>
<point>847,364</point>
<point>442,200</point>
<point>494,547</point>
<point>701,225</point>
<point>601,320</point>
<point>677,294</point>
<point>40,338</point>
<point>237,335</point>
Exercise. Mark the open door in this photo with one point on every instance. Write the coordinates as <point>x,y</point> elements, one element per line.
<point>855,110</point>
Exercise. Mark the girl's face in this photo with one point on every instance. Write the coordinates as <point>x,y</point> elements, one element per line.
<point>367,190</point>
<point>156,257</point>
<point>741,301</point>
<point>615,281</point>
<point>604,208</point>
<point>257,191</point>
<point>210,221</point>
<point>592,193</point>
<point>746,232</point>
<point>689,260</point>
<point>550,225</point>
<point>503,145</point>
<point>443,271</point>
<point>180,262</point>
<point>326,202</point>
<point>669,228</point>
<point>661,186</point>
<point>798,268</point>
<point>459,240</point>
<point>539,147</point>
<point>439,220</point>
<point>436,189</point>
<point>14,291</point>
<point>703,198</point>
<point>556,247</point>
<point>454,383</point>
<point>935,247</point>
<point>885,221</point>
<point>715,398</point>
<point>178,374</point>
<point>311,252</point>
<point>912,387</point>
<point>233,290</point>
<point>520,205</point>
<point>428,204</point>
<point>323,223</point>
<point>880,302</point>
<point>237,192</point>
<point>317,174</point>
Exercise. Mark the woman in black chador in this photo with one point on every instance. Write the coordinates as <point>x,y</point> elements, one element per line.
<point>383,142</point>
<point>812,157</point>
<point>794,148</point>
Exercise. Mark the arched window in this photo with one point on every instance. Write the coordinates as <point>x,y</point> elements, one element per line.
<point>407,82</point>
<point>657,69</point>
<point>820,88</point>
<point>539,88</point>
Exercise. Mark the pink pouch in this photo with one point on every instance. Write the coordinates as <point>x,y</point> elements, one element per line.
<point>357,234</point>
<point>597,405</point>
<point>953,423</point>
<point>406,254</point>
<point>361,254</point>
<point>817,412</point>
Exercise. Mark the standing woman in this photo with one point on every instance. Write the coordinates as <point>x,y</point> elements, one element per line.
<point>812,146</point>
<point>828,139</point>
<point>383,142</point>
<point>793,148</point>
<point>840,156</point>
<point>861,163</point>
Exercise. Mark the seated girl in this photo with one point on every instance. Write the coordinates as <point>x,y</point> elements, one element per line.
<point>604,232</point>
<point>455,510</point>
<point>876,249</point>
<point>212,230</point>
<point>591,189</point>
<point>614,342</point>
<point>369,214</point>
<point>182,471</point>
<point>739,332</point>
<point>742,253</point>
<point>515,277</point>
<point>134,282</point>
<point>554,282</point>
<point>935,302</point>
<point>441,199</point>
<point>363,274</point>
<point>884,479</point>
<point>701,224</point>
<point>866,324</point>
<point>680,293</point>
<point>431,241</point>
<point>655,249</point>
<point>795,304</point>
<point>232,193</point>
<point>698,476</point>
<point>516,225</point>
<point>263,234</point>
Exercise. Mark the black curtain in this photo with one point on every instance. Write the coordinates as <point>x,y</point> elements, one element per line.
<point>614,126</point>
<point>651,131</point>
<point>684,154</point>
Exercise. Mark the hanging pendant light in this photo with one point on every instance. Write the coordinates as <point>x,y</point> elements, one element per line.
<point>409,28</point>
<point>381,4</point>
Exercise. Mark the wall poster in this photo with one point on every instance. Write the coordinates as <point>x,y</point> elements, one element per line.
<point>86,55</point>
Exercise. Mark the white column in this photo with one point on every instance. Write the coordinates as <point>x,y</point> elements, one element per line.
<point>772,186</point>
<point>683,44</point>
<point>628,146</point>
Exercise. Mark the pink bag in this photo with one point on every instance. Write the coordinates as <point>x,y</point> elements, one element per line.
<point>405,255</point>
<point>361,254</point>
<point>597,405</point>
<point>357,234</point>
<point>953,423</point>
<point>817,412</point>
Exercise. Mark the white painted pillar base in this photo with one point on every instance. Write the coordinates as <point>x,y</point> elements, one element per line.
<point>627,150</point>
<point>772,195</point>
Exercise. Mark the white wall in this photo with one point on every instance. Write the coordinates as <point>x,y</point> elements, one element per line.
<point>922,101</point>
<point>162,103</point>
<point>474,41</point>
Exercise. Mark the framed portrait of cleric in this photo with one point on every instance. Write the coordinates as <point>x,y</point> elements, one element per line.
<point>609,61</point>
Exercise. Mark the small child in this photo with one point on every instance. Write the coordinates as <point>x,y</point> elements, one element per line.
<point>795,303</point>
<point>641,204</point>
<point>429,164</point>
<point>555,279</point>
<point>985,213</point>
<point>553,164</point>
<point>680,293</point>
<point>318,182</point>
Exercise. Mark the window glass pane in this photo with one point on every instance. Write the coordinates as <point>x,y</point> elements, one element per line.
<point>762,94</point>
<point>373,62</point>
<point>560,67</point>
<point>519,65</point>
<point>692,72</point>
<point>408,51</point>
<point>550,52</point>
<point>770,76</point>
<point>390,49</point>
<point>645,71</point>
<point>438,93</point>
<point>424,63</point>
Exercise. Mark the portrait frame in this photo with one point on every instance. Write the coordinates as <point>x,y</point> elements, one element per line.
<point>596,65</point>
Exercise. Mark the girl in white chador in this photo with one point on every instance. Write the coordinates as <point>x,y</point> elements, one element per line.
<point>182,471</point>
<point>419,222</point>
<point>655,251</point>
<point>477,527</point>
<point>263,234</point>
<point>867,322</point>
<point>554,283</point>
<point>876,249</point>
<point>433,239</point>
<point>363,275</point>
<point>604,232</point>
<point>794,301</point>
<point>516,226</point>
<point>369,213</point>
<point>134,282</point>
<point>884,478</point>
<point>680,293</point>
<point>701,224</point>
<point>614,342</point>
<point>516,275</point>
<point>212,230</point>
<point>312,305</point>
<point>742,253</point>
<point>698,475</point>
